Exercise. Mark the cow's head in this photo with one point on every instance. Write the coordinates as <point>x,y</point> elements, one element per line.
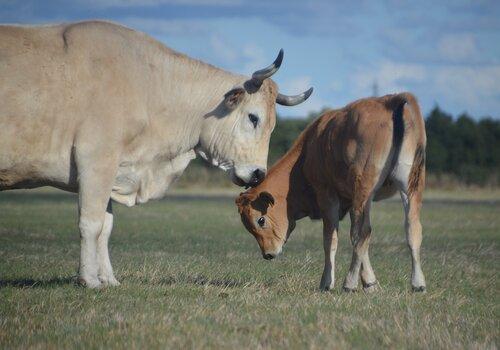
<point>266,218</point>
<point>237,137</point>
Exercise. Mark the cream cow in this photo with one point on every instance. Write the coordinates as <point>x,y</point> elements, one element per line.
<point>110,113</point>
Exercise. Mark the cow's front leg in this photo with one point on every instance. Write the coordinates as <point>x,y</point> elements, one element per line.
<point>90,227</point>
<point>330,240</point>
<point>105,274</point>
<point>96,173</point>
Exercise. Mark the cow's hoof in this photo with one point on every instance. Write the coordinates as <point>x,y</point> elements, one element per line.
<point>92,283</point>
<point>370,287</point>
<point>109,281</point>
<point>419,289</point>
<point>349,290</point>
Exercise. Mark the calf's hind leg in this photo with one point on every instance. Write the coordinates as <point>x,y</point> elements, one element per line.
<point>367,275</point>
<point>410,178</point>
<point>360,262</point>
<point>413,228</point>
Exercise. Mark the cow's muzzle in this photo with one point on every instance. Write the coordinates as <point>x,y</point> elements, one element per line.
<point>257,177</point>
<point>250,179</point>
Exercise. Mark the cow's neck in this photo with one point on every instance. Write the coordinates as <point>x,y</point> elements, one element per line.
<point>188,91</point>
<point>286,180</point>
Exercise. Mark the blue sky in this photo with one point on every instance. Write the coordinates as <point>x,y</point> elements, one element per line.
<point>446,52</point>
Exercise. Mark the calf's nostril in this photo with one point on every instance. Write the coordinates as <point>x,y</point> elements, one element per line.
<point>268,256</point>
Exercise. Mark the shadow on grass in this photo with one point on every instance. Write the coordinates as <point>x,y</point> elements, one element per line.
<point>37,283</point>
<point>197,280</point>
<point>165,281</point>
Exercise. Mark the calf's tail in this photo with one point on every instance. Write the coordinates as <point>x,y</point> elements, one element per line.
<point>406,116</point>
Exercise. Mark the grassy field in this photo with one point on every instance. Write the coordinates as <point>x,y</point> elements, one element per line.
<point>192,277</point>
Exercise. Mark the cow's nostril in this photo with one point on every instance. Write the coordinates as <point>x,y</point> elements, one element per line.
<point>257,177</point>
<point>268,256</point>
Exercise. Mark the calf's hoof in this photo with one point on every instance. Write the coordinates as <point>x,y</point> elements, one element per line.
<point>325,288</point>
<point>349,290</point>
<point>418,289</point>
<point>326,284</point>
<point>370,287</point>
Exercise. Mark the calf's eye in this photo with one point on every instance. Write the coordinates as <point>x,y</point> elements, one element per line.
<point>261,221</point>
<point>253,119</point>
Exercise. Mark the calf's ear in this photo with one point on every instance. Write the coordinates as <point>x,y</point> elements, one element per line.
<point>233,98</point>
<point>267,198</point>
<point>241,201</point>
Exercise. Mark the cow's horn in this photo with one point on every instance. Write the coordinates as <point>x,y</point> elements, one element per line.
<point>285,100</point>
<point>259,76</point>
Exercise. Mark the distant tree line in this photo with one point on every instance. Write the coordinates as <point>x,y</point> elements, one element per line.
<point>461,150</point>
<point>461,147</point>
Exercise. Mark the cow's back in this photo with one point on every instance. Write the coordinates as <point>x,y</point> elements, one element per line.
<point>56,79</point>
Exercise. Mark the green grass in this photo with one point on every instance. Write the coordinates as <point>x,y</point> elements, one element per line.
<point>193,277</point>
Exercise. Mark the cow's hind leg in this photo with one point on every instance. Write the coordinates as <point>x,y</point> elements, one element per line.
<point>105,273</point>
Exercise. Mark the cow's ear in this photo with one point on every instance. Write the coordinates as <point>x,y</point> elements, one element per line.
<point>233,98</point>
<point>267,198</point>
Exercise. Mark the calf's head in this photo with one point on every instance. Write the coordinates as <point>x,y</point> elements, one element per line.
<point>267,219</point>
<point>237,135</point>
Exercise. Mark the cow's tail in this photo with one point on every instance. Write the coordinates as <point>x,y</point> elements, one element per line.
<point>407,116</point>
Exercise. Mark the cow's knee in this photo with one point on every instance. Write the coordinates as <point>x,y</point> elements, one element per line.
<point>90,228</point>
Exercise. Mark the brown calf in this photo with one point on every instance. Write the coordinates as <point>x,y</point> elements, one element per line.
<point>348,157</point>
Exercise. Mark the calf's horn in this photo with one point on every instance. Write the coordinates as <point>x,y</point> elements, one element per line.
<point>285,100</point>
<point>259,76</point>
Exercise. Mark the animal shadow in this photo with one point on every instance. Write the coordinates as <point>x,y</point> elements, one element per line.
<point>37,283</point>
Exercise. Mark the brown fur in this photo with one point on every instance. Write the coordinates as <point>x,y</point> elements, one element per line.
<point>343,160</point>
<point>417,171</point>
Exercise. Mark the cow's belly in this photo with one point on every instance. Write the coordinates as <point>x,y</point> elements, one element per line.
<point>139,182</point>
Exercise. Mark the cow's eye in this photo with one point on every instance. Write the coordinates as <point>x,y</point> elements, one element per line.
<point>253,119</point>
<point>261,221</point>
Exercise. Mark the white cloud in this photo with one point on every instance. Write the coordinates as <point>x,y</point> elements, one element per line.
<point>389,76</point>
<point>254,58</point>
<point>223,50</point>
<point>336,86</point>
<point>470,87</point>
<point>296,86</point>
<point>146,3</point>
<point>240,59</point>
<point>457,47</point>
<point>167,27</point>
